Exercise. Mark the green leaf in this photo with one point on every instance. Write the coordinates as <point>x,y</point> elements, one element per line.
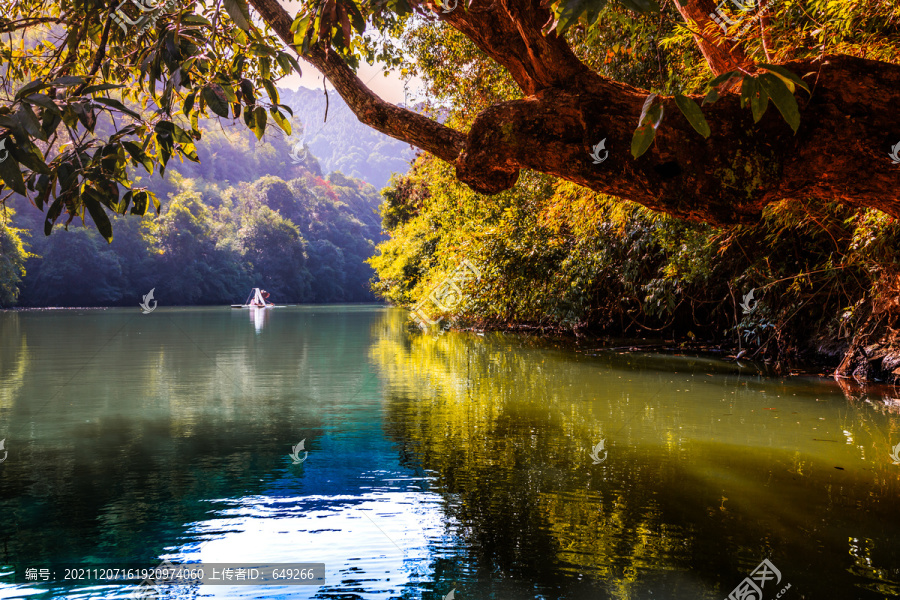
<point>67,81</point>
<point>283,123</point>
<point>140,157</point>
<point>85,115</point>
<point>112,103</point>
<point>216,99</point>
<point>11,174</point>
<point>239,12</point>
<point>259,122</point>
<point>759,102</point>
<point>569,11</point>
<point>748,85</point>
<point>29,88</point>
<point>30,156</point>
<point>652,111</point>
<point>188,103</point>
<point>97,214</point>
<point>651,116</point>
<point>356,17</point>
<point>643,137</point>
<point>140,200</point>
<point>272,91</point>
<point>693,114</point>
<point>722,79</point>
<point>53,213</point>
<point>45,185</point>
<point>30,122</point>
<point>711,97</point>
<point>287,62</point>
<point>784,74</point>
<point>190,152</point>
<point>196,20</point>
<point>782,98</point>
<point>44,101</point>
<point>102,87</point>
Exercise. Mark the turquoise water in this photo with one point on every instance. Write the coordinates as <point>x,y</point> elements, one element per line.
<point>458,463</point>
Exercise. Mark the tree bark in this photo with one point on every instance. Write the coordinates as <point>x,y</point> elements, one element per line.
<point>840,152</point>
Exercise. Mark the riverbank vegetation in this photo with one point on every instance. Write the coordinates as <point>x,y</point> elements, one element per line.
<point>557,256</point>
<point>305,240</point>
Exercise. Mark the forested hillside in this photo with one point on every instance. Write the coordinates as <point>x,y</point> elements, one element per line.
<point>246,216</point>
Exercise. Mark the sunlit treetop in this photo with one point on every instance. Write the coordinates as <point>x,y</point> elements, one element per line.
<point>95,91</point>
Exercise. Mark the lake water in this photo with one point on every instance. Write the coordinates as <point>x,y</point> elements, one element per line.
<point>458,463</point>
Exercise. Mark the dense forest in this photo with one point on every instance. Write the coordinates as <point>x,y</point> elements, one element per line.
<point>555,256</point>
<point>748,200</point>
<point>252,213</point>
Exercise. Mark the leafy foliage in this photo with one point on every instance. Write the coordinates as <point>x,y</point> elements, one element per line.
<point>304,239</point>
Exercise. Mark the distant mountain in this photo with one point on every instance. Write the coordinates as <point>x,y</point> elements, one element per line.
<point>342,143</point>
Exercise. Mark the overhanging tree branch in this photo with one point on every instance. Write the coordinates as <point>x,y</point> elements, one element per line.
<point>399,123</point>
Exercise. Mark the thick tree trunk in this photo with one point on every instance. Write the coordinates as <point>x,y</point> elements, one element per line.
<point>840,152</point>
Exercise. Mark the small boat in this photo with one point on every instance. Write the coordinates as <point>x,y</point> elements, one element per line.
<point>256,299</point>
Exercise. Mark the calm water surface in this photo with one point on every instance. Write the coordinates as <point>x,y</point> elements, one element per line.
<point>460,462</point>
